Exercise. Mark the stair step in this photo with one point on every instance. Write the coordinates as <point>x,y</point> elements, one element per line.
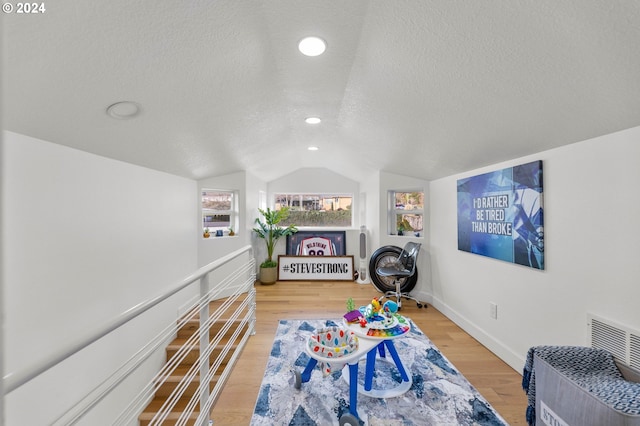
<point>172,418</point>
<point>173,380</point>
<point>214,305</point>
<point>192,355</point>
<point>192,326</point>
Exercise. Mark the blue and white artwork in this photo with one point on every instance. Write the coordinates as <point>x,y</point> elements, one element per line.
<point>500,215</point>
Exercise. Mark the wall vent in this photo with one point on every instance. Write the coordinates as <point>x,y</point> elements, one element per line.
<point>621,341</point>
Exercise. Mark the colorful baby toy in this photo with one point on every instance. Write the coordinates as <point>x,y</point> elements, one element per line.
<point>377,320</point>
<point>331,343</point>
<point>375,309</point>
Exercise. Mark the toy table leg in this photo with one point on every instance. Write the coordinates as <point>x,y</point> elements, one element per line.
<point>371,364</point>
<point>381,350</point>
<point>353,389</point>
<point>396,359</point>
<point>367,387</point>
<point>306,374</point>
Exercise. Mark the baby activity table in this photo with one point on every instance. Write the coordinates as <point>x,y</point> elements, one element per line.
<point>373,339</point>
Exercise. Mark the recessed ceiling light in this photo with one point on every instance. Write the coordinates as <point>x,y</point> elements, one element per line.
<point>313,148</point>
<point>312,120</point>
<point>123,110</point>
<point>312,46</point>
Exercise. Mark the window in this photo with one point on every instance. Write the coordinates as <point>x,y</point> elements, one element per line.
<point>219,210</point>
<point>406,211</point>
<point>321,210</point>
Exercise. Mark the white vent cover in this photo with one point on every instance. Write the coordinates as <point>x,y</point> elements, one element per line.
<point>621,341</point>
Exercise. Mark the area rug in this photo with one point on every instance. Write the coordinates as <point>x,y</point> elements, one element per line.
<point>439,394</point>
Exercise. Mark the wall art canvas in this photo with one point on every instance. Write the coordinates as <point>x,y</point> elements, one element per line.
<point>500,215</point>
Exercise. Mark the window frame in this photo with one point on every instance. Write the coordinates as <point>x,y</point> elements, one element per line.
<point>320,197</point>
<point>232,212</point>
<point>393,211</point>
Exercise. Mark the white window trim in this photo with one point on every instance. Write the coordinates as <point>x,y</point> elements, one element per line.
<point>393,212</point>
<point>233,212</point>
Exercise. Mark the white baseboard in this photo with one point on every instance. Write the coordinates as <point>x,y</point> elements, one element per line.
<point>422,296</point>
<point>502,351</point>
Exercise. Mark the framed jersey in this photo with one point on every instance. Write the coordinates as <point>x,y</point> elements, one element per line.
<point>317,243</point>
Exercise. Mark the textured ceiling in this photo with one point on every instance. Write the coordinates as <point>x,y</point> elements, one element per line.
<point>419,88</point>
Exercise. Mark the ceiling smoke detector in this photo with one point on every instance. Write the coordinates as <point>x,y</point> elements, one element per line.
<point>123,110</point>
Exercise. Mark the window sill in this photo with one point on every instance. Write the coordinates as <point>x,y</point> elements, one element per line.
<point>327,228</point>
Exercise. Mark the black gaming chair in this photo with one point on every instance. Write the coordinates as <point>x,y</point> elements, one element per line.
<point>401,270</point>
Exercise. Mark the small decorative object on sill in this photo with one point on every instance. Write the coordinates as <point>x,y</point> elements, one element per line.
<point>403,225</point>
<point>206,234</point>
<point>219,233</point>
<point>231,233</point>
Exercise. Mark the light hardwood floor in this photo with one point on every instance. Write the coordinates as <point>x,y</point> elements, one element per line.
<point>494,379</point>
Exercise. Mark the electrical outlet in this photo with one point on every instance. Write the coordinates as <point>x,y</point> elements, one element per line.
<point>493,310</point>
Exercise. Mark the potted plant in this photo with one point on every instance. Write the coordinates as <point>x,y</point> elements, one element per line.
<point>205,233</point>
<point>404,225</point>
<point>271,231</point>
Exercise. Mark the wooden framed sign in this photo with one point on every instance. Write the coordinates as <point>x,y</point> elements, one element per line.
<point>315,268</point>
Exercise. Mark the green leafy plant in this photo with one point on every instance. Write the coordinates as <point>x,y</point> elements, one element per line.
<point>271,231</point>
<point>404,225</point>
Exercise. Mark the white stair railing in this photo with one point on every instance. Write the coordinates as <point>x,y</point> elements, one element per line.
<point>238,309</point>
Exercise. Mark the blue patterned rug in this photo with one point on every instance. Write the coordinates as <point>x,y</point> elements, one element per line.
<point>439,394</point>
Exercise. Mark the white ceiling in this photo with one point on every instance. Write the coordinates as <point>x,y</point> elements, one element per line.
<point>414,87</point>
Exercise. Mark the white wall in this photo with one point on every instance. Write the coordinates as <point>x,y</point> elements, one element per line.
<point>393,182</point>
<point>591,208</point>
<point>314,180</point>
<point>84,239</point>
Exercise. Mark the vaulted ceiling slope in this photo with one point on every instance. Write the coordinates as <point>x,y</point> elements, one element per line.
<point>415,87</point>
